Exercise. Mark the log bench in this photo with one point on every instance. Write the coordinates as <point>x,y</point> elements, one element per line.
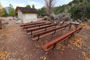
<point>51,31</point>
<point>52,44</point>
<point>38,25</point>
<point>32,24</point>
<point>39,28</point>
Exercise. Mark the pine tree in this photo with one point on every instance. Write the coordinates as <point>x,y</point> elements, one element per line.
<point>11,10</point>
<point>33,6</point>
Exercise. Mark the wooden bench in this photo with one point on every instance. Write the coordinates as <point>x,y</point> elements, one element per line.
<point>39,28</point>
<point>38,25</point>
<point>41,34</point>
<point>32,24</point>
<point>52,44</point>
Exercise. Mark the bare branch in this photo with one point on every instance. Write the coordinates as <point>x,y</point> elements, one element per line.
<point>49,6</point>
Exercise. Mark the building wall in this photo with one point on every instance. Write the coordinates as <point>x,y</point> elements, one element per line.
<point>29,17</point>
<point>20,15</point>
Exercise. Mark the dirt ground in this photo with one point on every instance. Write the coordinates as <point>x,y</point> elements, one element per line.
<point>15,44</point>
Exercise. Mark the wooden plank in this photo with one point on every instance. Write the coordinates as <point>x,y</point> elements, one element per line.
<point>38,28</point>
<point>53,32</point>
<point>38,25</point>
<point>32,24</point>
<point>49,31</point>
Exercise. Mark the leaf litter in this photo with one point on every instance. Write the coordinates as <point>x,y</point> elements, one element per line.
<point>77,41</point>
<point>86,56</point>
<point>4,55</point>
<point>44,57</point>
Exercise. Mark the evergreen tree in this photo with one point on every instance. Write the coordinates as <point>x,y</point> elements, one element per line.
<point>28,6</point>
<point>33,6</point>
<point>42,11</point>
<point>11,10</point>
<point>81,10</point>
<point>5,14</point>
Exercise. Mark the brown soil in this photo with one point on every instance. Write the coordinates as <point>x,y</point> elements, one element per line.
<point>16,44</point>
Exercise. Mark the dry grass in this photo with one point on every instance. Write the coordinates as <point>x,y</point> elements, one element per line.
<point>77,41</point>
<point>86,56</point>
<point>4,55</point>
<point>85,25</point>
<point>60,47</point>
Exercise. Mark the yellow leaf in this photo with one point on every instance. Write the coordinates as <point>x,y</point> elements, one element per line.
<point>19,59</point>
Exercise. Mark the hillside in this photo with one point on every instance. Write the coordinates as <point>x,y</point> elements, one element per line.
<point>78,9</point>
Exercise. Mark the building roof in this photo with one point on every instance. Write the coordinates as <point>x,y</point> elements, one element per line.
<point>26,10</point>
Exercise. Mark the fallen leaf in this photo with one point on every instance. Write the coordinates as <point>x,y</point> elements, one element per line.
<point>4,55</point>
<point>19,59</point>
<point>60,46</point>
<point>11,59</point>
<point>44,57</point>
<point>77,41</point>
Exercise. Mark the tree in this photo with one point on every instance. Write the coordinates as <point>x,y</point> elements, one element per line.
<point>81,10</point>
<point>88,12</point>
<point>33,6</point>
<point>28,6</point>
<point>6,14</point>
<point>59,9</point>
<point>2,10</point>
<point>76,12</point>
<point>50,6</point>
<point>11,10</point>
<point>42,11</point>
